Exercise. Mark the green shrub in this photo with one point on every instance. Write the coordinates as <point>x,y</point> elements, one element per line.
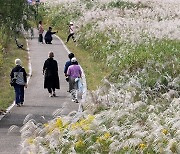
<point>129,5</point>
<point>160,59</point>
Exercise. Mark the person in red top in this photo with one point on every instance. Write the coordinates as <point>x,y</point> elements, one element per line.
<point>41,30</point>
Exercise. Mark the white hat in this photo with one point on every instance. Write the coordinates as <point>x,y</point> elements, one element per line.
<point>73,59</point>
<point>71,23</point>
<point>18,61</point>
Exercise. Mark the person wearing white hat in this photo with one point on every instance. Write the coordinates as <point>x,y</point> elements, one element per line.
<point>19,75</point>
<point>71,32</point>
<point>74,72</point>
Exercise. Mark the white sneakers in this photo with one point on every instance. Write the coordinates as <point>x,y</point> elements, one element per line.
<point>75,100</point>
<point>52,95</point>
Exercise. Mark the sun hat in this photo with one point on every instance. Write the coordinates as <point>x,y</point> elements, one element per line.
<point>71,23</point>
<point>18,61</point>
<point>73,59</point>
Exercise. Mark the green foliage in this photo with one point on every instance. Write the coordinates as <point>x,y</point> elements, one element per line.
<point>64,16</point>
<point>6,64</point>
<point>95,45</point>
<point>14,14</point>
<point>122,5</point>
<point>89,3</point>
<point>158,58</point>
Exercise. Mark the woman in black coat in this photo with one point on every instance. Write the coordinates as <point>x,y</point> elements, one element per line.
<point>51,78</point>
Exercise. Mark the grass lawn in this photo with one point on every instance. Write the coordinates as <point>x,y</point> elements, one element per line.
<point>10,54</point>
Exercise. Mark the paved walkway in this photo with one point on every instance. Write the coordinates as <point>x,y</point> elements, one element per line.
<point>37,101</point>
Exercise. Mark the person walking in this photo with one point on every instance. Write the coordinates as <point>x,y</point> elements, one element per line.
<point>41,30</point>
<point>67,64</point>
<point>19,74</point>
<point>71,32</point>
<point>50,72</point>
<point>74,72</point>
<point>48,36</point>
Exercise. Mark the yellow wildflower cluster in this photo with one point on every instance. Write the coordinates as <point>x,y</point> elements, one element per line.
<point>83,123</point>
<point>103,138</point>
<point>142,146</point>
<point>57,124</point>
<point>164,131</point>
<point>79,144</point>
<point>30,140</point>
<point>46,125</point>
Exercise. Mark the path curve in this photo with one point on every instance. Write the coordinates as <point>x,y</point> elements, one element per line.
<point>37,101</point>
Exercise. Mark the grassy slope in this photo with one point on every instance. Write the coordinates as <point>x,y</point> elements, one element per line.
<point>93,51</point>
<point>6,91</point>
<point>95,71</point>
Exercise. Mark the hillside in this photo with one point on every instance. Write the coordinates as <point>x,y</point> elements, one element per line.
<point>135,47</point>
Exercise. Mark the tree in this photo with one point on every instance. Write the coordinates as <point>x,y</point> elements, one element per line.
<point>14,16</point>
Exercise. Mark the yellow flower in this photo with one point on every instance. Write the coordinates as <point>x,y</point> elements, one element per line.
<point>107,135</point>
<point>90,118</point>
<point>85,127</point>
<point>75,125</point>
<point>66,125</point>
<point>164,131</point>
<point>142,146</point>
<point>79,144</point>
<point>46,125</point>
<point>99,140</point>
<point>30,140</point>
<point>59,123</point>
<point>83,123</point>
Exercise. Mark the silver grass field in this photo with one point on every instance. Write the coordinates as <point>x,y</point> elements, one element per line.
<point>137,107</point>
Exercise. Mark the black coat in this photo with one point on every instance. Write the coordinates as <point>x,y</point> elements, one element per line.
<point>50,70</point>
<point>48,35</point>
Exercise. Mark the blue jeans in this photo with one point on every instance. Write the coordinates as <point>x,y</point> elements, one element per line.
<point>19,93</point>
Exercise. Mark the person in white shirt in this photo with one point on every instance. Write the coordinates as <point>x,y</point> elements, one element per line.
<point>71,32</point>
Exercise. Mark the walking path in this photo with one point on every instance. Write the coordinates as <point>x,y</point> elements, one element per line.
<point>37,101</point>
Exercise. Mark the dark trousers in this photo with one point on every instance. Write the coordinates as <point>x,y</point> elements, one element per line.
<point>73,87</point>
<point>19,93</point>
<point>48,41</point>
<point>40,38</point>
<point>50,90</point>
<point>71,35</point>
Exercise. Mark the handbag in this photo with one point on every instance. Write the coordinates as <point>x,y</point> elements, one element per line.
<point>13,80</point>
<point>67,79</point>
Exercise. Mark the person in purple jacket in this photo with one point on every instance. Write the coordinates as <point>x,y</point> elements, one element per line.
<point>74,72</point>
